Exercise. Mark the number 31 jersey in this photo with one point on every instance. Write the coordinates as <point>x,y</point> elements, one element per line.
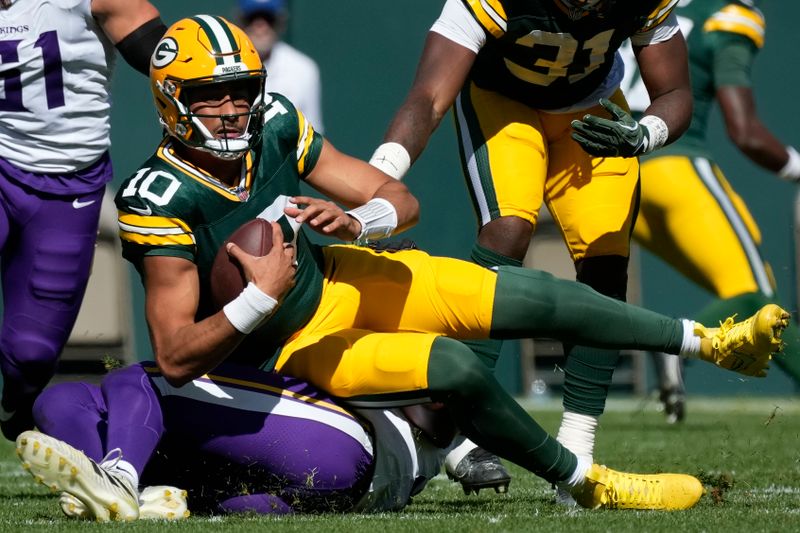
<point>537,54</point>
<point>55,69</point>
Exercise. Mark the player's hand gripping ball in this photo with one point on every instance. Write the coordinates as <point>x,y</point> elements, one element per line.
<point>227,278</point>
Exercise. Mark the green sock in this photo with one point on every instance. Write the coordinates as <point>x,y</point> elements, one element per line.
<point>532,303</point>
<point>745,305</point>
<point>489,416</point>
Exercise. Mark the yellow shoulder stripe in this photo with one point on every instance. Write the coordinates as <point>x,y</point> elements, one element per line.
<point>303,142</point>
<point>741,20</point>
<point>659,14</point>
<point>154,230</point>
<point>491,15</point>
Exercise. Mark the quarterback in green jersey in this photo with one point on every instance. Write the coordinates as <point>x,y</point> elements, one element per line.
<point>690,216</point>
<point>370,327</point>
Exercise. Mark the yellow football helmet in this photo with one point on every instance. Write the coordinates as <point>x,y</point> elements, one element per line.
<point>202,50</point>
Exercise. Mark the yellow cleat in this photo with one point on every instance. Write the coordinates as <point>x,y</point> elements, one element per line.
<point>745,347</point>
<point>609,489</point>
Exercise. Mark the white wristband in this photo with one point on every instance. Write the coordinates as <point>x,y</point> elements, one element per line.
<point>250,308</point>
<point>657,130</point>
<point>391,158</point>
<point>378,218</point>
<point>791,170</point>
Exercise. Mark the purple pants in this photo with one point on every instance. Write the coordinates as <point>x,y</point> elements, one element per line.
<point>238,440</point>
<point>47,245</point>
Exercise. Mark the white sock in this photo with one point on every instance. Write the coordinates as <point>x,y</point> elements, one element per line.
<point>690,345</point>
<point>458,452</point>
<point>578,475</point>
<point>577,434</point>
<point>125,469</point>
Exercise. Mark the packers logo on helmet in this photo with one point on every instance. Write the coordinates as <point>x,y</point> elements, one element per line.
<point>196,52</point>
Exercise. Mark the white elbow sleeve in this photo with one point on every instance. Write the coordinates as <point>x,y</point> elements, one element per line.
<point>391,158</point>
<point>791,170</point>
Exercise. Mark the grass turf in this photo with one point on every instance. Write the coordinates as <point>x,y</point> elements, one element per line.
<point>745,449</point>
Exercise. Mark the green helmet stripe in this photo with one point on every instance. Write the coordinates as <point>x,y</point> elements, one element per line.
<point>222,41</point>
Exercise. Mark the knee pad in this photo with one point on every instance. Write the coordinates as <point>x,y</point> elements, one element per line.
<point>30,360</point>
<point>606,274</point>
<point>61,402</point>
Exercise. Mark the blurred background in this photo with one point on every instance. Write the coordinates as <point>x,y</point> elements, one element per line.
<point>367,53</point>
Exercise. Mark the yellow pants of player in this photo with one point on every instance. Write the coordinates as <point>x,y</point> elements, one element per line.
<point>379,315</point>
<point>692,218</point>
<point>516,157</point>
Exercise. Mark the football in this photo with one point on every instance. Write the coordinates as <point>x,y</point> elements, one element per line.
<point>227,278</point>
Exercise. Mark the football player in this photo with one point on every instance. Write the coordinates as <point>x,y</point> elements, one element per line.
<point>371,327</point>
<point>57,59</point>
<point>238,440</point>
<point>690,216</point>
<point>534,87</point>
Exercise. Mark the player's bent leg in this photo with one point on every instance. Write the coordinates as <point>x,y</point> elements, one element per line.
<point>484,412</point>
<point>75,413</point>
<point>319,455</point>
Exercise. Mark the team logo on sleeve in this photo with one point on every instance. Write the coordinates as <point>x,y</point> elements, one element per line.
<point>165,53</point>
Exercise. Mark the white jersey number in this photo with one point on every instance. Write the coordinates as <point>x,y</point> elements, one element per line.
<point>143,190</point>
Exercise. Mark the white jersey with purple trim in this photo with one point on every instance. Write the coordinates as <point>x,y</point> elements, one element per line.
<point>55,70</point>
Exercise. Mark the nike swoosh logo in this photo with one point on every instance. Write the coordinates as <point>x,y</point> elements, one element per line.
<point>77,204</point>
<point>628,127</point>
<point>145,212</point>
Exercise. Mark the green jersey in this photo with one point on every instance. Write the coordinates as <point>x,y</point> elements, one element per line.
<point>537,54</point>
<point>723,36</point>
<point>172,208</point>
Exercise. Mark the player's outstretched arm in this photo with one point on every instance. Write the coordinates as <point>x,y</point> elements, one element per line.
<point>752,137</point>
<point>442,71</point>
<point>134,26</point>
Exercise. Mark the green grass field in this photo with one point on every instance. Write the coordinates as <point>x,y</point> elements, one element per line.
<point>749,443</point>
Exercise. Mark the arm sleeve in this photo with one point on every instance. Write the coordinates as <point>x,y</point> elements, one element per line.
<point>137,47</point>
<point>457,24</point>
<point>733,59</point>
<point>658,34</point>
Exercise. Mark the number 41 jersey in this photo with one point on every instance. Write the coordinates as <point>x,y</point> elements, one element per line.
<point>55,67</point>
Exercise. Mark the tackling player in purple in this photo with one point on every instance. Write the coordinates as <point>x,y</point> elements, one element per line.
<point>56,64</point>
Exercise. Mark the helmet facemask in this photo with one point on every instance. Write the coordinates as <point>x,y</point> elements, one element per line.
<point>190,130</point>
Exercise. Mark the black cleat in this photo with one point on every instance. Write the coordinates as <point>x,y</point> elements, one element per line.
<point>480,469</point>
<point>14,423</point>
<point>674,402</point>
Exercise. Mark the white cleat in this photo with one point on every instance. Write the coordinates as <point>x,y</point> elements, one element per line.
<point>103,495</point>
<point>159,502</point>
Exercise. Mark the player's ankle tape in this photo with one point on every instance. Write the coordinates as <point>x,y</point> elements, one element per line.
<point>248,310</point>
